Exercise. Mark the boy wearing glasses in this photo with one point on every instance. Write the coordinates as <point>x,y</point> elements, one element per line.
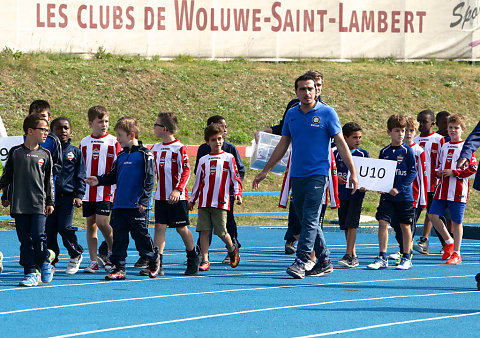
<point>28,171</point>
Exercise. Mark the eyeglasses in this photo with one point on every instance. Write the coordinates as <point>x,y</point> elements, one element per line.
<point>44,130</point>
<point>158,125</point>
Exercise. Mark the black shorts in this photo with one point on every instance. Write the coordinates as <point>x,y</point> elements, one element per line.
<point>349,213</point>
<point>402,211</point>
<point>173,215</point>
<point>96,208</point>
<point>429,200</point>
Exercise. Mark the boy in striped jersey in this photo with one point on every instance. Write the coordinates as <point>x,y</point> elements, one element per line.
<point>99,150</point>
<point>214,175</point>
<point>171,197</point>
<point>452,191</point>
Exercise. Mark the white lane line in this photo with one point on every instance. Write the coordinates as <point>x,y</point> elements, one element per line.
<point>254,311</point>
<point>390,324</point>
<point>222,291</point>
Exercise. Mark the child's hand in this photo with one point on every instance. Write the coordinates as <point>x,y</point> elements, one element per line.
<point>174,197</point>
<point>362,189</point>
<point>342,180</point>
<point>438,173</point>
<point>5,203</point>
<point>191,205</point>
<point>77,202</point>
<point>92,181</point>
<point>446,172</point>
<point>393,192</point>
<point>49,210</point>
<point>141,208</point>
<point>238,198</point>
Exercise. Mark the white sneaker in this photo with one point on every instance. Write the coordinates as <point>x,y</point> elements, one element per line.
<point>405,264</point>
<point>396,256</point>
<point>309,265</point>
<point>91,268</point>
<point>74,265</point>
<point>378,263</point>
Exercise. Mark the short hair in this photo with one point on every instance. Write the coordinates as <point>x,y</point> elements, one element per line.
<point>97,112</point>
<point>168,120</point>
<point>128,125</point>
<point>456,119</point>
<point>396,121</point>
<point>303,77</point>
<point>56,121</point>
<point>39,106</point>
<point>412,122</point>
<point>215,119</point>
<point>442,114</point>
<point>350,127</point>
<point>31,121</point>
<point>212,129</point>
<point>315,74</point>
<point>427,112</point>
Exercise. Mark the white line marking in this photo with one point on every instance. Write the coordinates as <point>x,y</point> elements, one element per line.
<point>253,311</point>
<point>390,324</point>
<point>221,291</point>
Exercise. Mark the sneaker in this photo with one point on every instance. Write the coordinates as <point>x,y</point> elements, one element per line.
<point>226,260</point>
<point>404,264</point>
<point>192,266</point>
<point>47,268</point>
<point>421,246</point>
<point>378,263</point>
<point>74,265</point>
<point>116,274</point>
<point>108,266</point>
<point>447,251</point>
<point>234,258</point>
<point>153,268</point>
<point>147,271</point>
<point>290,248</point>
<point>141,263</point>
<point>204,266</point>
<point>355,261</point>
<point>477,279</point>
<point>30,279</point>
<point>441,250</point>
<point>396,256</point>
<point>101,259</point>
<point>297,269</point>
<point>1,262</point>
<point>347,261</point>
<point>309,265</point>
<point>320,269</point>
<point>454,259</point>
<point>92,267</point>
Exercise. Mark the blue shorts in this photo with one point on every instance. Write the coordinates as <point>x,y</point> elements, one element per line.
<point>403,212</point>
<point>457,209</point>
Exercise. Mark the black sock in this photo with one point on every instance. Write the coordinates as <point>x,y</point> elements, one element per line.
<point>383,255</point>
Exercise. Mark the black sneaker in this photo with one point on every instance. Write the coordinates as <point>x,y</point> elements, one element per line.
<point>421,246</point>
<point>192,265</point>
<point>355,261</point>
<point>116,274</point>
<point>346,261</point>
<point>320,269</point>
<point>142,263</point>
<point>290,248</point>
<point>297,269</point>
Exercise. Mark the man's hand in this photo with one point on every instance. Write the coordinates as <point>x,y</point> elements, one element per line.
<point>174,197</point>
<point>259,178</point>
<point>77,202</point>
<point>238,198</point>
<point>141,208</point>
<point>92,181</point>
<point>353,181</point>
<point>49,210</point>
<point>462,163</point>
<point>191,205</point>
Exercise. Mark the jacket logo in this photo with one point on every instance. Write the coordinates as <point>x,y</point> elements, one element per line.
<point>70,156</point>
<point>41,162</point>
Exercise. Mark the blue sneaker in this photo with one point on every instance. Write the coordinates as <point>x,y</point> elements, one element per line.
<point>47,268</point>
<point>297,269</point>
<point>378,263</point>
<point>30,279</point>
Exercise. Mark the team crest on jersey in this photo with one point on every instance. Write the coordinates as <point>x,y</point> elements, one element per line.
<point>213,170</point>
<point>41,162</point>
<point>162,162</point>
<point>70,156</point>
<point>449,157</point>
<point>315,121</point>
<point>399,159</point>
<point>95,154</point>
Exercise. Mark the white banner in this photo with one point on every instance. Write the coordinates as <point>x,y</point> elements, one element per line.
<point>330,29</point>
<point>374,174</point>
<point>6,143</point>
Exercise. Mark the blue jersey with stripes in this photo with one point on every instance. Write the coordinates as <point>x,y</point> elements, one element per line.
<point>343,192</point>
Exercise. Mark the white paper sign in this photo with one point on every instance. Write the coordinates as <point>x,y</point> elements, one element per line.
<point>6,143</point>
<point>374,174</point>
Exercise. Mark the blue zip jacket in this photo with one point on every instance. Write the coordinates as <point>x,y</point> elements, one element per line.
<point>343,192</point>
<point>404,174</point>
<point>134,174</point>
<point>472,143</point>
<point>72,177</point>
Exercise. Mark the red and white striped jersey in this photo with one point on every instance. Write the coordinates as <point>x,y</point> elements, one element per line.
<point>420,182</point>
<point>99,154</point>
<point>215,173</point>
<point>431,144</point>
<point>331,191</point>
<point>454,188</point>
<point>173,169</point>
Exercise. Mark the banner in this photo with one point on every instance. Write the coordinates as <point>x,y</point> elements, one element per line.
<point>374,174</point>
<point>6,143</point>
<point>268,29</point>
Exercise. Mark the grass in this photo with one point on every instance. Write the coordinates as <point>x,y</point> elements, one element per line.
<point>250,95</point>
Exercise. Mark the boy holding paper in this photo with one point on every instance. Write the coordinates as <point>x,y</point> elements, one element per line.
<point>399,201</point>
